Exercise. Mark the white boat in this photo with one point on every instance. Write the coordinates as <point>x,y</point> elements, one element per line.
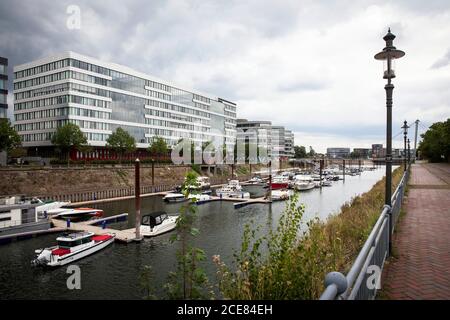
<point>203,183</point>
<point>279,195</point>
<point>45,206</point>
<point>174,197</point>
<point>75,213</point>
<point>326,183</point>
<point>304,182</point>
<point>156,223</point>
<point>232,190</point>
<point>72,247</point>
<point>256,180</point>
<point>199,198</point>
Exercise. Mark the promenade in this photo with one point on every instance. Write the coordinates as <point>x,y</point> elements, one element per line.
<point>420,265</point>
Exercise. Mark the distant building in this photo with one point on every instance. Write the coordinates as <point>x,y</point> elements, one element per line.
<point>3,87</point>
<point>3,98</point>
<point>377,151</point>
<point>362,152</point>
<point>289,143</point>
<point>340,153</point>
<point>255,132</point>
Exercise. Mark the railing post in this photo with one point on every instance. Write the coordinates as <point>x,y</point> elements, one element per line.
<point>390,222</point>
<point>335,284</point>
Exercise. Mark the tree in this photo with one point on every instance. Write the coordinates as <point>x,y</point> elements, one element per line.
<point>435,145</point>
<point>300,152</point>
<point>158,147</point>
<point>9,138</point>
<point>312,153</point>
<point>121,142</point>
<point>68,137</point>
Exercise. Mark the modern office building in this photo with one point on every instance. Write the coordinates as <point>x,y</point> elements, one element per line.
<point>334,153</point>
<point>278,142</point>
<point>255,132</point>
<point>289,143</point>
<point>3,99</point>
<point>3,87</point>
<point>362,153</point>
<point>100,97</point>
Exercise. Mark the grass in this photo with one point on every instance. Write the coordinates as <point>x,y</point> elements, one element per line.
<point>296,265</point>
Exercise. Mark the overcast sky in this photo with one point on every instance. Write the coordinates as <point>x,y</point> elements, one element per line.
<point>307,65</point>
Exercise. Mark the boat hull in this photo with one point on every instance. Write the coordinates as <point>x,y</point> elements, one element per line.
<point>168,226</point>
<point>69,258</point>
<point>279,185</point>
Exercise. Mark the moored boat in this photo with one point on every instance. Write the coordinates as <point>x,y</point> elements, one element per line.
<point>75,213</point>
<point>72,247</point>
<point>280,182</point>
<point>304,182</point>
<point>279,195</point>
<point>156,223</point>
<point>174,197</point>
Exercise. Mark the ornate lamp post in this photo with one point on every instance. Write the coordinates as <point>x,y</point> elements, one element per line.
<point>405,135</point>
<point>388,56</point>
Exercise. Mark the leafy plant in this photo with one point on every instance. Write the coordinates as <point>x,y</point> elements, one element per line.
<point>121,142</point>
<point>9,138</point>
<point>67,137</point>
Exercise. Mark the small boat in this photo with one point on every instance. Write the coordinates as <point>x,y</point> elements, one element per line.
<point>326,183</point>
<point>256,180</point>
<point>199,198</point>
<point>75,213</point>
<point>279,195</point>
<point>203,183</point>
<point>156,223</point>
<point>45,206</point>
<point>280,182</point>
<point>303,182</point>
<point>174,197</point>
<point>232,190</point>
<point>72,247</point>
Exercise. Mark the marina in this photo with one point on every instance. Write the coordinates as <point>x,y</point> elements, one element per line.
<point>220,221</point>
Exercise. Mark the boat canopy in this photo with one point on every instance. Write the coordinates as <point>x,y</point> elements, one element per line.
<point>154,218</point>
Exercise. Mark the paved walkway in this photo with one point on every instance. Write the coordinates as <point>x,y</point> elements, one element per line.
<point>421,268</point>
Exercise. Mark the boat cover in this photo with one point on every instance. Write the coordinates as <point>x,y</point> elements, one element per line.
<point>102,237</point>
<point>60,252</point>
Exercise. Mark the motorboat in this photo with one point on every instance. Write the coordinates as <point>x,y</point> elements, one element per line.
<point>174,197</point>
<point>203,183</point>
<point>45,206</point>
<point>279,195</point>
<point>75,213</point>
<point>232,190</point>
<point>199,198</point>
<point>256,180</point>
<point>156,223</point>
<point>304,182</point>
<point>325,183</point>
<point>72,247</point>
<point>280,182</point>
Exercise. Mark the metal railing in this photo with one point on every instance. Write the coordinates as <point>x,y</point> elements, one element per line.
<point>363,279</point>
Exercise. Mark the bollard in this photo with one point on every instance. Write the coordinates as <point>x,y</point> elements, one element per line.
<point>104,224</point>
<point>68,223</point>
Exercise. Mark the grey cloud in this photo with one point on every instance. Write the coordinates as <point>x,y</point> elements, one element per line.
<point>442,62</point>
<point>298,86</point>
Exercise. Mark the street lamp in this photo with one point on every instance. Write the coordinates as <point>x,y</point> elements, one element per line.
<point>405,134</point>
<point>388,55</point>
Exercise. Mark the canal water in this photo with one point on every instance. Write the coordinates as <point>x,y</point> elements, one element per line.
<point>113,273</point>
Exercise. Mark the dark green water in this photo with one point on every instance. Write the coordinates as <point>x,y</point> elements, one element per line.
<point>113,273</point>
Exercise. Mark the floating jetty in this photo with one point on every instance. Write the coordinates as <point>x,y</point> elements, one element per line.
<point>125,236</point>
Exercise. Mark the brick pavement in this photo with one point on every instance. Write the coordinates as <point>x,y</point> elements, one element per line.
<point>421,266</point>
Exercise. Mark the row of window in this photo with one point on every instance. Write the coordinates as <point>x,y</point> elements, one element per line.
<point>41,80</point>
<point>230,114</point>
<point>41,125</point>
<point>47,136</point>
<point>201,98</point>
<point>168,106</point>
<point>42,91</point>
<point>61,100</point>
<point>171,124</point>
<point>176,134</point>
<point>62,112</point>
<point>84,124</point>
<point>41,69</point>
<point>159,95</point>
<point>201,106</point>
<point>157,85</point>
<point>176,116</point>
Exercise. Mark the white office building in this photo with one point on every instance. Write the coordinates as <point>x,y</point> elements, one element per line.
<point>100,97</point>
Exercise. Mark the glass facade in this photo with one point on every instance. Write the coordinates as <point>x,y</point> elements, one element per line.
<point>102,97</point>
<point>3,87</point>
